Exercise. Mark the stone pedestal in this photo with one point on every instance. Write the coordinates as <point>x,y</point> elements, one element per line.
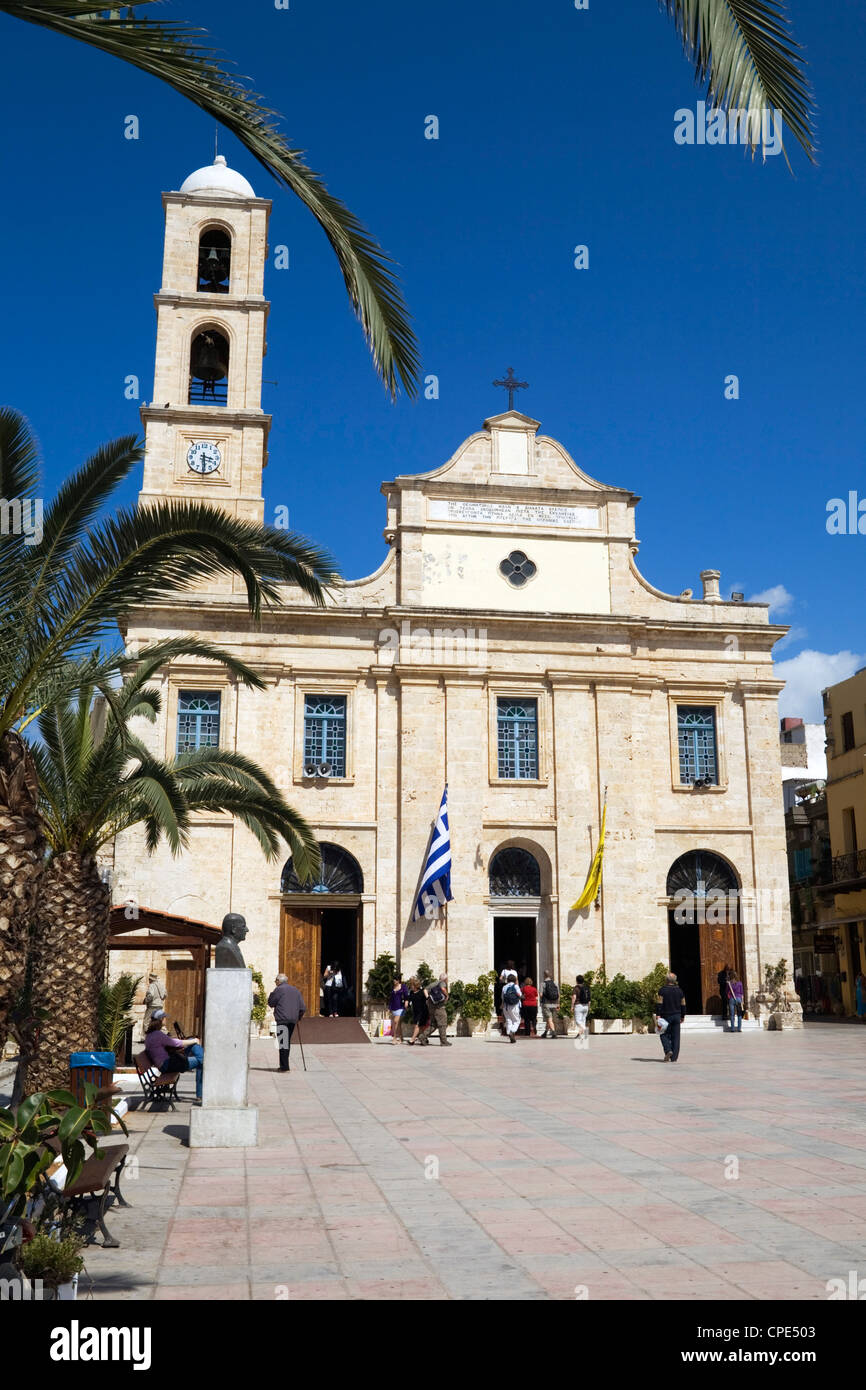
<point>224,1120</point>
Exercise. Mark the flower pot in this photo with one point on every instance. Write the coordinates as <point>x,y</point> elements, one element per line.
<point>470,1027</point>
<point>781,1022</point>
<point>68,1293</point>
<point>610,1025</point>
<point>562,1027</point>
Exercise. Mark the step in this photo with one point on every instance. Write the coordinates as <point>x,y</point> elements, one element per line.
<point>710,1023</point>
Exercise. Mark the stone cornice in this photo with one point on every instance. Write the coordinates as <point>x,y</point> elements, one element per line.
<point>206,415</point>
<point>194,300</point>
<point>211,198</point>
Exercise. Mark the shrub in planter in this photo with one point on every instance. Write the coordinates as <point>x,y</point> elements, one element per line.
<point>380,979</point>
<point>260,1000</point>
<point>477,1007</point>
<point>56,1261</point>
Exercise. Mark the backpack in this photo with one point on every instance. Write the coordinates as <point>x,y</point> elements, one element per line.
<point>437,995</point>
<point>510,995</point>
<point>550,992</point>
<point>583,995</point>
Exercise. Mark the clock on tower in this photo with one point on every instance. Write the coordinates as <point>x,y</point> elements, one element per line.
<point>206,433</point>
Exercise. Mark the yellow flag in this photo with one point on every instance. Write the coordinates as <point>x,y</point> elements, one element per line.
<point>593,878</point>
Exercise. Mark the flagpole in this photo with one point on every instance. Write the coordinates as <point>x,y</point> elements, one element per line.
<point>600,899</point>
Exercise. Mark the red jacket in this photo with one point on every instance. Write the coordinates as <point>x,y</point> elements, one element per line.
<point>530,996</point>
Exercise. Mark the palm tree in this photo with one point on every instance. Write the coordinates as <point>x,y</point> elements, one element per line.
<point>174,53</point>
<point>744,50</point>
<point>63,588</point>
<point>97,778</point>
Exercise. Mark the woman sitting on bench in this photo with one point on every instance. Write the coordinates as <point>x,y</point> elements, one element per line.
<point>173,1054</point>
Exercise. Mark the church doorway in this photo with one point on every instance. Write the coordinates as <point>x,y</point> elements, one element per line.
<point>704,928</point>
<point>321,923</point>
<point>514,881</point>
<point>340,946</point>
<point>514,938</point>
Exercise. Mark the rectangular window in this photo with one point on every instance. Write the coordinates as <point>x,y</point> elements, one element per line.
<point>198,720</point>
<point>696,736</point>
<point>802,864</point>
<point>325,733</point>
<point>517,739</point>
<point>847,732</point>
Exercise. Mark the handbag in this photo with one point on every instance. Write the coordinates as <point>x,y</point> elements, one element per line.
<point>177,1061</point>
<point>661,1024</point>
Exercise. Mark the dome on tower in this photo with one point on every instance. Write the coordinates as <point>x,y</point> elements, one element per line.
<point>218,178</point>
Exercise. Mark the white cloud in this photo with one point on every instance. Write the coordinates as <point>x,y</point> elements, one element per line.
<point>806,675</point>
<point>777,597</point>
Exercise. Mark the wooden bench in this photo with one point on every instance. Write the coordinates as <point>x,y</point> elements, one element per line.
<point>95,1188</point>
<point>156,1085</point>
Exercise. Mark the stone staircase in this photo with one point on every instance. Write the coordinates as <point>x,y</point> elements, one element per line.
<point>714,1023</point>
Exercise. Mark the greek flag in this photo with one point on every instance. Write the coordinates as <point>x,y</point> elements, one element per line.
<point>436,880</point>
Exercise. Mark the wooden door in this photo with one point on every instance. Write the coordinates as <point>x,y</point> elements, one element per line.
<point>300,952</point>
<point>181,997</point>
<point>718,949</point>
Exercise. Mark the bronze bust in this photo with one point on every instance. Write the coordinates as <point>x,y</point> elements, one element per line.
<point>227,950</point>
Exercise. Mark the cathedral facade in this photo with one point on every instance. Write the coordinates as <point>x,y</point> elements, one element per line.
<point>508,647</point>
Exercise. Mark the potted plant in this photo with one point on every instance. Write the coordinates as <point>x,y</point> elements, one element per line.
<point>25,1155</point>
<point>54,1262</point>
<point>476,1008</point>
<point>784,1006</point>
<point>380,982</point>
<point>614,1002</point>
<point>565,1012</point>
<point>259,1014</point>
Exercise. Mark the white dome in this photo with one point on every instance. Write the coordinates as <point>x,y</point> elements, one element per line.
<point>218,178</point>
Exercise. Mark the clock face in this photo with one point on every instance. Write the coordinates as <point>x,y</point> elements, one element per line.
<point>203,457</point>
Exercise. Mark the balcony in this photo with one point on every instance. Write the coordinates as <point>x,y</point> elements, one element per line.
<point>848,873</point>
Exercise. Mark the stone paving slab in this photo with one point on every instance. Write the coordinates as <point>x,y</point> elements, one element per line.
<point>526,1173</point>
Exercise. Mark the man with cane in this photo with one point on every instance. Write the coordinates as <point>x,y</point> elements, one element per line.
<point>289,1008</point>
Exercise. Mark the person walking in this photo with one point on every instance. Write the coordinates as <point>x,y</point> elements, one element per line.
<point>530,1008</point>
<point>511,999</point>
<point>549,1004</point>
<point>735,1003</point>
<point>328,991</point>
<point>153,999</point>
<point>173,1054</point>
<point>437,994</point>
<point>581,1000</point>
<point>420,1013</point>
<point>397,1005</point>
<point>722,978</point>
<point>672,1009</point>
<point>860,992</point>
<point>289,1008</point>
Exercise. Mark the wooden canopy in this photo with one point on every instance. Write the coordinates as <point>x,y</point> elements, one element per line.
<point>151,930</point>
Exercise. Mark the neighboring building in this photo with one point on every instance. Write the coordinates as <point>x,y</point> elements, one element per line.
<point>507,645</point>
<point>804,759</point>
<point>845,725</point>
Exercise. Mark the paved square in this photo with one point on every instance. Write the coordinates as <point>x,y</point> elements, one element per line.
<point>531,1172</point>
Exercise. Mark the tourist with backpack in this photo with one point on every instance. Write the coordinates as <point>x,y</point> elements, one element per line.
<point>436,997</point>
<point>549,1005</point>
<point>511,997</point>
<point>582,997</point>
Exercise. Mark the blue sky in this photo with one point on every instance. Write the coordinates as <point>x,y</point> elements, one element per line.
<point>556,129</point>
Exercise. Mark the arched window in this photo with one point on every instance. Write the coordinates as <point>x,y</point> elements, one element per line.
<point>339,872</point>
<point>699,873</point>
<point>214,261</point>
<point>514,873</point>
<point>208,368</point>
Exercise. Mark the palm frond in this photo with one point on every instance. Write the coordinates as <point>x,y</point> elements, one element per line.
<point>173,52</point>
<point>745,51</point>
<point>115,1001</point>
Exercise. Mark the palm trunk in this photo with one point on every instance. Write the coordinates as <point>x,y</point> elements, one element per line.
<point>69,952</point>
<point>22,848</point>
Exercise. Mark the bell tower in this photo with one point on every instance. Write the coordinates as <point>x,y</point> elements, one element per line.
<point>206,434</point>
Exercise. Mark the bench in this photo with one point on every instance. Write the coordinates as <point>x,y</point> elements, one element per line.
<point>156,1085</point>
<point>94,1190</point>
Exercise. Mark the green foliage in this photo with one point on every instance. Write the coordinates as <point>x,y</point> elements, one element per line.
<point>775,984</point>
<point>622,998</point>
<point>566,1002</point>
<point>24,1131</point>
<point>115,1001</point>
<point>380,979</point>
<point>455,1003</point>
<point>478,998</point>
<point>53,1261</point>
<point>425,974</point>
<point>260,999</point>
